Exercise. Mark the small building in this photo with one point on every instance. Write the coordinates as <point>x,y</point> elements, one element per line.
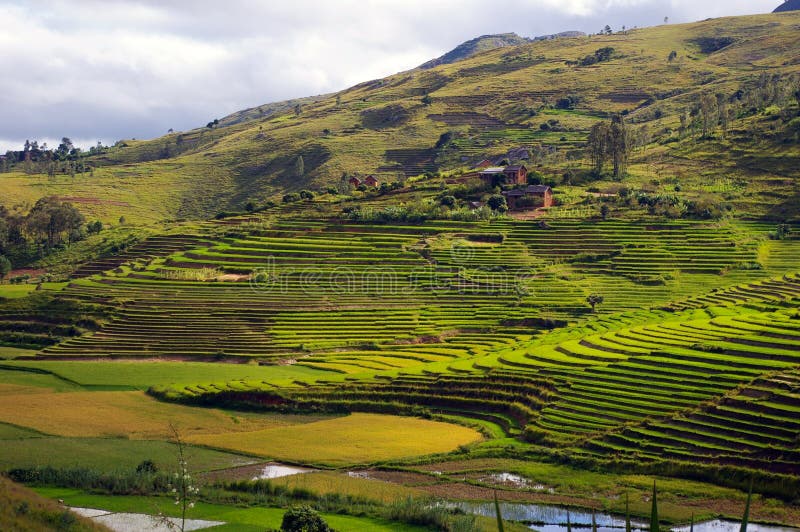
<point>516,174</point>
<point>475,205</point>
<point>354,181</point>
<point>531,197</point>
<point>541,191</point>
<point>486,163</point>
<point>370,181</point>
<point>510,175</point>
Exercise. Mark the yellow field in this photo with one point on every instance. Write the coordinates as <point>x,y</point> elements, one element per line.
<point>131,415</point>
<point>328,482</point>
<point>355,439</point>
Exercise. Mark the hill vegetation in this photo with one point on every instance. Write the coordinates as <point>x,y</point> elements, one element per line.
<point>690,94</point>
<point>646,324</point>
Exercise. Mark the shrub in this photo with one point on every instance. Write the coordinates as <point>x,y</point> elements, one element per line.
<point>303,519</point>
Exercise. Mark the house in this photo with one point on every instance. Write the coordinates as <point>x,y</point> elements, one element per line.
<point>475,205</point>
<point>370,181</point>
<point>531,197</point>
<point>492,175</point>
<point>511,175</point>
<point>517,174</point>
<point>354,181</point>
<point>486,163</point>
<point>543,192</point>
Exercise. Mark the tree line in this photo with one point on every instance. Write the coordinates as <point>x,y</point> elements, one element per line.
<point>49,225</point>
<point>34,157</point>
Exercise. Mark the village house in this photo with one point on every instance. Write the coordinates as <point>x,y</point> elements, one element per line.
<point>370,181</point>
<point>486,163</point>
<point>511,175</point>
<point>530,197</point>
<point>354,181</point>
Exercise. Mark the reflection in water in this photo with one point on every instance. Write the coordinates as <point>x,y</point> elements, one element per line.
<point>554,519</point>
<point>278,471</point>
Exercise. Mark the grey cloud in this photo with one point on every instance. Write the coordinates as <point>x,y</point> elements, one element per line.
<point>120,69</point>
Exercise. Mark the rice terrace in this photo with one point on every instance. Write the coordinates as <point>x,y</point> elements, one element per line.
<point>536,283</point>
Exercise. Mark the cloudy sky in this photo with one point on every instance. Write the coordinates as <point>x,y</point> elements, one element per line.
<point>111,69</point>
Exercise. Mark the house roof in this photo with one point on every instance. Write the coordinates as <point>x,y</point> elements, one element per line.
<point>537,189</point>
<point>370,178</point>
<point>516,193</point>
<point>514,168</point>
<point>493,170</point>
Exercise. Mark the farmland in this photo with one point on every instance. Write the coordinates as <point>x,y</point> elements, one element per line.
<point>411,341</point>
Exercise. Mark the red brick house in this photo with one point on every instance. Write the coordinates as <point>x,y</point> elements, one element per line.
<point>370,181</point>
<point>541,192</point>
<point>516,174</point>
<point>510,175</point>
<point>486,163</point>
<point>356,182</point>
<point>531,197</point>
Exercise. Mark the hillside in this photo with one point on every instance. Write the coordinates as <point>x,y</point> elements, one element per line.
<point>535,95</point>
<point>484,43</point>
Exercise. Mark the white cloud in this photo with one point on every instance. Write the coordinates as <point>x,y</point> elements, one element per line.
<point>125,68</point>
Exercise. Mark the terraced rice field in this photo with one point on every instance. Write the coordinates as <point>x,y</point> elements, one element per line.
<point>485,323</point>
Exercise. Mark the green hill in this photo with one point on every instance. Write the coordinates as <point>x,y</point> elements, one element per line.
<point>543,96</point>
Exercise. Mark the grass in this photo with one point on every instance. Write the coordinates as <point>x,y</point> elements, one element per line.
<point>142,375</point>
<point>21,450</point>
<point>239,519</point>
<point>130,415</point>
<point>23,509</point>
<point>329,483</point>
<point>354,439</point>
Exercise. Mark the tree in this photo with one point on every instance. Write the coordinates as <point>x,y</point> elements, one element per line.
<point>797,97</point>
<point>654,511</point>
<point>299,167</point>
<point>306,194</point>
<point>249,206</point>
<point>183,489</point>
<point>298,110</point>
<point>607,30</point>
<point>708,110</point>
<point>604,211</point>
<point>500,526</point>
<point>498,203</point>
<point>627,514</point>
<point>746,517</point>
<point>619,145</point>
<point>666,20</point>
<point>5,267</point>
<point>303,519</point>
<point>598,145</point>
<point>673,55</point>
<point>594,300</point>
<point>448,201</point>
<point>427,100</point>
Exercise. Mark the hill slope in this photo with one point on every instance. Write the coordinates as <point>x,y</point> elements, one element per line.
<point>542,96</point>
<point>476,46</point>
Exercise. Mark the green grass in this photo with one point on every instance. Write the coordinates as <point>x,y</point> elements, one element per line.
<point>244,519</point>
<point>108,455</point>
<point>142,375</point>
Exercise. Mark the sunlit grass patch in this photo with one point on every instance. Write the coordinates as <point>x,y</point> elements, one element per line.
<point>355,439</point>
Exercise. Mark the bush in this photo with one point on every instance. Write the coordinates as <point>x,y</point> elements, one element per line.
<point>291,198</point>
<point>303,519</point>
<point>497,203</point>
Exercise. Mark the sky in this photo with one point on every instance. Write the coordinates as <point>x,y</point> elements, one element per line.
<point>105,70</point>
